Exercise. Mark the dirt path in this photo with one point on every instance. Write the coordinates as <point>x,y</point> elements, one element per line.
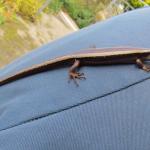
<point>17,38</point>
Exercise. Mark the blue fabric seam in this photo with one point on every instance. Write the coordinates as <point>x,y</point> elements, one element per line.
<point>70,107</point>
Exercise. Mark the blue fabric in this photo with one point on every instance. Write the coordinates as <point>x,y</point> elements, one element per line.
<point>108,111</point>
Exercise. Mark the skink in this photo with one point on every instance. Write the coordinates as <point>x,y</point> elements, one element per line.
<point>89,57</point>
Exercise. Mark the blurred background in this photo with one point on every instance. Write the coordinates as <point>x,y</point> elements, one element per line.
<point>28,24</point>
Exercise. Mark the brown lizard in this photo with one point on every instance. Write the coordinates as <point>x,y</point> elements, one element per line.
<point>89,57</point>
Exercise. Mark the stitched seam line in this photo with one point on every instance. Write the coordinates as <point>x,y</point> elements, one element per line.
<point>70,107</point>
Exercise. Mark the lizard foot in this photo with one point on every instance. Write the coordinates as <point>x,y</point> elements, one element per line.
<point>76,75</point>
<point>146,68</point>
<point>143,66</point>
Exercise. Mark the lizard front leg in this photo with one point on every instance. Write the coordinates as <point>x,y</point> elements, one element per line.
<point>143,66</point>
<point>73,74</point>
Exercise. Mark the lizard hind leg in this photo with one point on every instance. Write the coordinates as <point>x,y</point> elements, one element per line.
<point>73,74</point>
<point>142,65</point>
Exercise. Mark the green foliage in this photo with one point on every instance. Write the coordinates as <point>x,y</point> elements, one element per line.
<point>147,1</point>
<point>84,17</point>
<point>56,5</point>
<point>2,19</point>
<point>28,8</point>
<point>77,9</point>
<point>2,9</point>
<point>79,12</point>
<point>82,11</point>
<point>25,8</point>
<point>137,3</point>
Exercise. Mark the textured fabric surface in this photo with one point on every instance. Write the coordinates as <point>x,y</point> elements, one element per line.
<point>108,111</point>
